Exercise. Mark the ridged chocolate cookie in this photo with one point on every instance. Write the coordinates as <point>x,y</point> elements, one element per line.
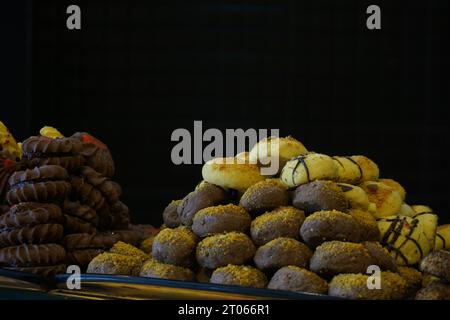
<point>41,184</point>
<point>38,234</point>
<point>77,225</point>
<point>32,255</point>
<point>30,214</point>
<point>81,211</point>
<point>96,154</point>
<point>82,257</point>
<point>64,152</point>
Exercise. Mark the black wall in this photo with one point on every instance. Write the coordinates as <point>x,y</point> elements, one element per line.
<point>140,69</point>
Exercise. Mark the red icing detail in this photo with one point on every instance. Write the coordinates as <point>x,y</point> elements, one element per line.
<point>8,163</point>
<point>90,139</point>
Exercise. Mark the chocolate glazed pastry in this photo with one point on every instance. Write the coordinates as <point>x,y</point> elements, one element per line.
<point>96,154</point>
<point>30,222</point>
<point>32,255</point>
<point>41,184</point>
<point>64,152</point>
<point>207,196</point>
<point>8,165</point>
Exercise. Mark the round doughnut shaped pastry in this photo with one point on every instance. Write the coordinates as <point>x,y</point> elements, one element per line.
<point>335,257</point>
<point>413,279</point>
<point>170,214</point>
<point>264,196</point>
<point>367,223</point>
<point>223,249</point>
<point>41,184</point>
<point>319,195</point>
<point>219,219</point>
<point>354,286</point>
<point>293,278</point>
<point>349,170</point>
<point>369,168</point>
<point>325,226</point>
<point>387,200</point>
<point>404,238</point>
<point>238,275</point>
<point>309,167</point>
<point>437,263</point>
<point>442,240</point>
<point>175,246</point>
<point>356,197</point>
<point>282,252</point>
<point>155,269</point>
<point>287,148</point>
<point>406,210</point>
<point>207,196</point>
<point>281,222</point>
<point>228,173</point>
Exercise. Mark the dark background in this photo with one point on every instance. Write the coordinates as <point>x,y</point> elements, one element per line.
<point>137,70</point>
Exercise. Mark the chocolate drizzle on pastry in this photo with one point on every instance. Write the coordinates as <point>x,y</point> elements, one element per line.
<point>300,160</point>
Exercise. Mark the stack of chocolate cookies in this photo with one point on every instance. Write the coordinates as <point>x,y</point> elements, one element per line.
<point>59,197</point>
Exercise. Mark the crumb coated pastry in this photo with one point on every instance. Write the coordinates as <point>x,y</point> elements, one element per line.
<point>114,263</point>
<point>147,244</point>
<point>396,186</point>
<point>355,286</point>
<point>368,224</point>
<point>239,276</point>
<point>228,173</point>
<point>282,252</point>
<point>264,196</point>
<point>40,184</point>
<point>170,214</point>
<point>349,171</point>
<point>41,150</point>
<point>281,222</point>
<point>442,240</point>
<point>223,249</point>
<point>434,291</point>
<point>175,246</point>
<point>126,249</point>
<point>287,148</point>
<point>319,195</point>
<point>356,197</point>
<point>293,278</point>
<point>155,269</point>
<point>219,219</point>
<point>380,256</point>
<point>413,279</point>
<point>207,196</point>
<point>387,199</point>
<point>334,257</point>
<point>95,153</point>
<point>369,168</point>
<point>325,226</point>
<point>8,144</point>
<point>437,263</point>
<point>307,168</point>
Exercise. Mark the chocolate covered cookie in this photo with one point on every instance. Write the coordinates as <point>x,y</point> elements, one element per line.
<point>32,255</point>
<point>264,196</point>
<point>65,152</point>
<point>170,215</point>
<point>96,154</point>
<point>40,184</point>
<point>319,195</point>
<point>236,275</point>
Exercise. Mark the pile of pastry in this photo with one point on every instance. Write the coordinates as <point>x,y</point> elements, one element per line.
<point>59,205</point>
<point>320,224</point>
